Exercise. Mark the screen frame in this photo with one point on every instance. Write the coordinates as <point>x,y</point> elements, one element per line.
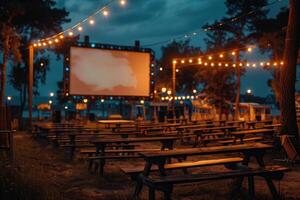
<point>109,47</point>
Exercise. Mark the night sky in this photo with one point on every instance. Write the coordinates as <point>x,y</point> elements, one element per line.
<point>152,21</point>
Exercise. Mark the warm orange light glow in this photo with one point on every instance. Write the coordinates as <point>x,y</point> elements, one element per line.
<point>233,53</point>
<point>249,49</point>
<point>209,57</point>
<point>190,60</point>
<point>80,28</point>
<point>174,62</point>
<point>122,2</point>
<point>71,33</point>
<point>56,40</point>
<point>220,64</point>
<point>91,22</point>
<point>105,12</point>
<point>182,61</point>
<point>282,63</point>
<point>221,55</point>
<point>61,36</point>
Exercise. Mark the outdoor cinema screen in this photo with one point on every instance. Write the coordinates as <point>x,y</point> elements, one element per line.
<point>104,72</point>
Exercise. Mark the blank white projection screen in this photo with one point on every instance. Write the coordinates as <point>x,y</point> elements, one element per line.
<point>109,72</point>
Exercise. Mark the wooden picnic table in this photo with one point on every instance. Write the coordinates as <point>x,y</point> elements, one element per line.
<point>101,144</point>
<point>199,132</point>
<point>237,122</point>
<point>251,124</point>
<point>160,158</point>
<point>117,123</point>
<point>241,134</point>
<point>181,121</point>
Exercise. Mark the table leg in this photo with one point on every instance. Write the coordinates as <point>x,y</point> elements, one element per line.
<point>101,152</point>
<point>251,187</point>
<point>272,188</point>
<point>139,184</point>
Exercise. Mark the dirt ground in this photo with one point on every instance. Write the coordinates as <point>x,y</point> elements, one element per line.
<point>40,171</point>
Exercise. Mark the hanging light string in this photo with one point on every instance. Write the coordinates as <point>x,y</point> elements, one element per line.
<point>200,62</point>
<point>222,54</point>
<point>212,27</point>
<point>78,26</point>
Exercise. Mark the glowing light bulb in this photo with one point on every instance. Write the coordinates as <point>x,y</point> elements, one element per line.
<point>241,64</point>
<point>249,49</point>
<point>261,64</point>
<point>233,65</point>
<point>105,12</point>
<point>39,44</point>
<point>190,60</point>
<point>61,36</point>
<point>50,42</point>
<point>177,70</point>
<point>254,65</point>
<point>233,53</point>
<point>160,69</point>
<point>212,64</point>
<point>85,100</point>
<point>247,64</point>
<point>34,45</point>
<point>221,55</point>
<point>80,28</point>
<point>182,61</point>
<point>174,62</point>
<point>91,22</point>
<point>226,65</point>
<point>275,63</point>
<point>220,64</point>
<point>71,33</point>
<point>209,57</point>
<point>56,40</point>
<point>268,63</point>
<point>282,63</point>
<point>123,2</point>
<point>205,64</point>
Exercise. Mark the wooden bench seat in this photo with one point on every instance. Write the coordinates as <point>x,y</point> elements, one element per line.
<point>124,146</point>
<point>231,141</point>
<point>134,172</point>
<point>165,183</point>
<point>121,151</point>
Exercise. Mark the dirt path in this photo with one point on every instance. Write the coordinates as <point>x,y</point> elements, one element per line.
<point>42,172</point>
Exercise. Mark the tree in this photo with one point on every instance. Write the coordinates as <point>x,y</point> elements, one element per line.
<point>169,52</point>
<point>269,35</point>
<point>288,72</point>
<point>29,19</point>
<point>238,23</point>
<point>218,82</point>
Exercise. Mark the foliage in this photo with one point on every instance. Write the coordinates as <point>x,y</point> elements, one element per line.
<point>30,19</point>
<point>177,49</point>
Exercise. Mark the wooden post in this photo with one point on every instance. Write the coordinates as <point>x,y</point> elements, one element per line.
<point>174,87</point>
<point>30,83</point>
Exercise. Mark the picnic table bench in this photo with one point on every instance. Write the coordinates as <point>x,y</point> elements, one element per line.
<point>160,158</point>
<point>117,123</point>
<point>241,134</point>
<point>251,124</point>
<point>101,144</point>
<point>202,133</point>
<point>165,184</point>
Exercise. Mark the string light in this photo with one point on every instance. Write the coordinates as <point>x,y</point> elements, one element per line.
<point>78,27</point>
<point>105,12</point>
<point>91,22</point>
<point>221,55</point>
<point>123,2</point>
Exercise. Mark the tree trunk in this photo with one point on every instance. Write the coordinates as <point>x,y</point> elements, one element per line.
<point>238,89</point>
<point>3,78</point>
<point>288,73</point>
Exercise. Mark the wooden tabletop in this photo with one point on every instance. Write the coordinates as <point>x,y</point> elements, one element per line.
<point>131,140</point>
<point>253,131</point>
<point>206,150</point>
<point>116,121</point>
<point>215,128</point>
